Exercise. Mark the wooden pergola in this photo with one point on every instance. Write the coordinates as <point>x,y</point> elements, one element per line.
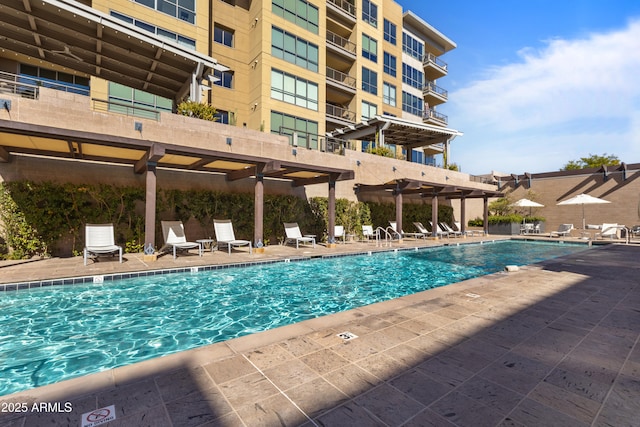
<point>411,187</point>
<point>145,157</point>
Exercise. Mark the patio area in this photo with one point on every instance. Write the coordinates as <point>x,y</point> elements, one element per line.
<point>553,344</point>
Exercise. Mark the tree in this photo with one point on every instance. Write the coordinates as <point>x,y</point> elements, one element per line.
<point>592,161</point>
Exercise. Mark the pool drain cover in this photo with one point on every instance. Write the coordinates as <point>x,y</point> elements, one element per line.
<point>347,336</point>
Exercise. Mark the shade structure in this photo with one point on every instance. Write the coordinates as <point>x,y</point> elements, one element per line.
<point>523,203</point>
<point>583,199</point>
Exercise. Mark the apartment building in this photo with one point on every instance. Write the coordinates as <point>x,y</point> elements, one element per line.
<point>313,71</point>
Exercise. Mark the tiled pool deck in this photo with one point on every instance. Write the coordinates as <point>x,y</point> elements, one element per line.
<point>554,344</point>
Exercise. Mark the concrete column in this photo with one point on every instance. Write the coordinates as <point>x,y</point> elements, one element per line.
<point>150,206</point>
<point>486,215</point>
<point>398,199</point>
<point>258,209</point>
<point>331,212</point>
<point>463,214</point>
<point>434,215</point>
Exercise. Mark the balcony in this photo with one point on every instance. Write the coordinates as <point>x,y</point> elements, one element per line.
<point>341,80</point>
<point>432,117</point>
<point>434,95</point>
<point>434,67</point>
<point>340,115</point>
<point>341,45</point>
<point>345,9</point>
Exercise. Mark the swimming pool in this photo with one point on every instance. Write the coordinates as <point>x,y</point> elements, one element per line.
<point>60,332</point>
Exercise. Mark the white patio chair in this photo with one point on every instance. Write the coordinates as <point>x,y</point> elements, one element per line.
<point>226,237</point>
<point>293,233</point>
<point>99,240</point>
<point>174,237</point>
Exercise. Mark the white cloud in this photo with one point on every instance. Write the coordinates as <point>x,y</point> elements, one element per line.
<point>559,103</point>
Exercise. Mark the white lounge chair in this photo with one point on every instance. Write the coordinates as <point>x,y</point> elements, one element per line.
<point>563,230</point>
<point>99,240</point>
<point>367,232</point>
<point>439,231</point>
<point>226,237</point>
<point>293,234</point>
<point>608,230</point>
<point>174,237</point>
<point>445,227</point>
<point>338,233</point>
<point>402,233</point>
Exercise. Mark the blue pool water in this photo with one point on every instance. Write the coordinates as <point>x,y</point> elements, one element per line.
<point>55,333</point>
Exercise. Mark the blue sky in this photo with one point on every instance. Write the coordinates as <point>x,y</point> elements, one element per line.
<point>536,83</point>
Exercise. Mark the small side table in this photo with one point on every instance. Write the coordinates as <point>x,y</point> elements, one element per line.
<point>204,242</point>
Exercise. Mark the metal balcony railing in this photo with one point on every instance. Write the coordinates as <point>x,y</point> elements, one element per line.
<point>431,88</point>
<point>315,142</point>
<point>431,114</point>
<point>341,42</point>
<point>340,77</point>
<point>341,113</point>
<point>28,86</point>
<point>345,5</point>
<point>430,58</point>
<point>127,109</point>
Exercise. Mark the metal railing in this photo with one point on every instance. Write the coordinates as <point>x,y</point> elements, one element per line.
<point>29,86</point>
<point>314,142</point>
<point>341,42</point>
<point>341,113</point>
<point>112,106</point>
<point>340,77</point>
<point>430,58</point>
<point>345,5</point>
<point>431,87</point>
<point>431,114</point>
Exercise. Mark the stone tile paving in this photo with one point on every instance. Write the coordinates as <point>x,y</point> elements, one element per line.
<point>554,344</point>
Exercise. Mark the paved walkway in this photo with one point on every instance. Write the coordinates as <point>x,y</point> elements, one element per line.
<point>554,344</point>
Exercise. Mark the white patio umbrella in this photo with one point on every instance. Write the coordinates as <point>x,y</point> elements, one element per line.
<point>527,203</point>
<point>583,199</point>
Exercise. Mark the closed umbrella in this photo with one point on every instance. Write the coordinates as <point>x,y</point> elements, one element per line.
<point>583,199</point>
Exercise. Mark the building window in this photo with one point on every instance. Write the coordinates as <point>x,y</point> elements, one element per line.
<point>134,102</point>
<point>294,90</point>
<point>370,13</point>
<point>369,48</point>
<point>287,46</point>
<point>369,110</point>
<point>369,81</point>
<point>223,35</point>
<point>389,94</point>
<point>181,9</point>
<point>305,130</point>
<point>412,77</point>
<point>222,116</point>
<point>160,32</point>
<point>36,76</point>
<point>390,32</point>
<point>412,46</point>
<point>389,64</point>
<point>412,104</point>
<point>224,78</point>
<point>299,12</point>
